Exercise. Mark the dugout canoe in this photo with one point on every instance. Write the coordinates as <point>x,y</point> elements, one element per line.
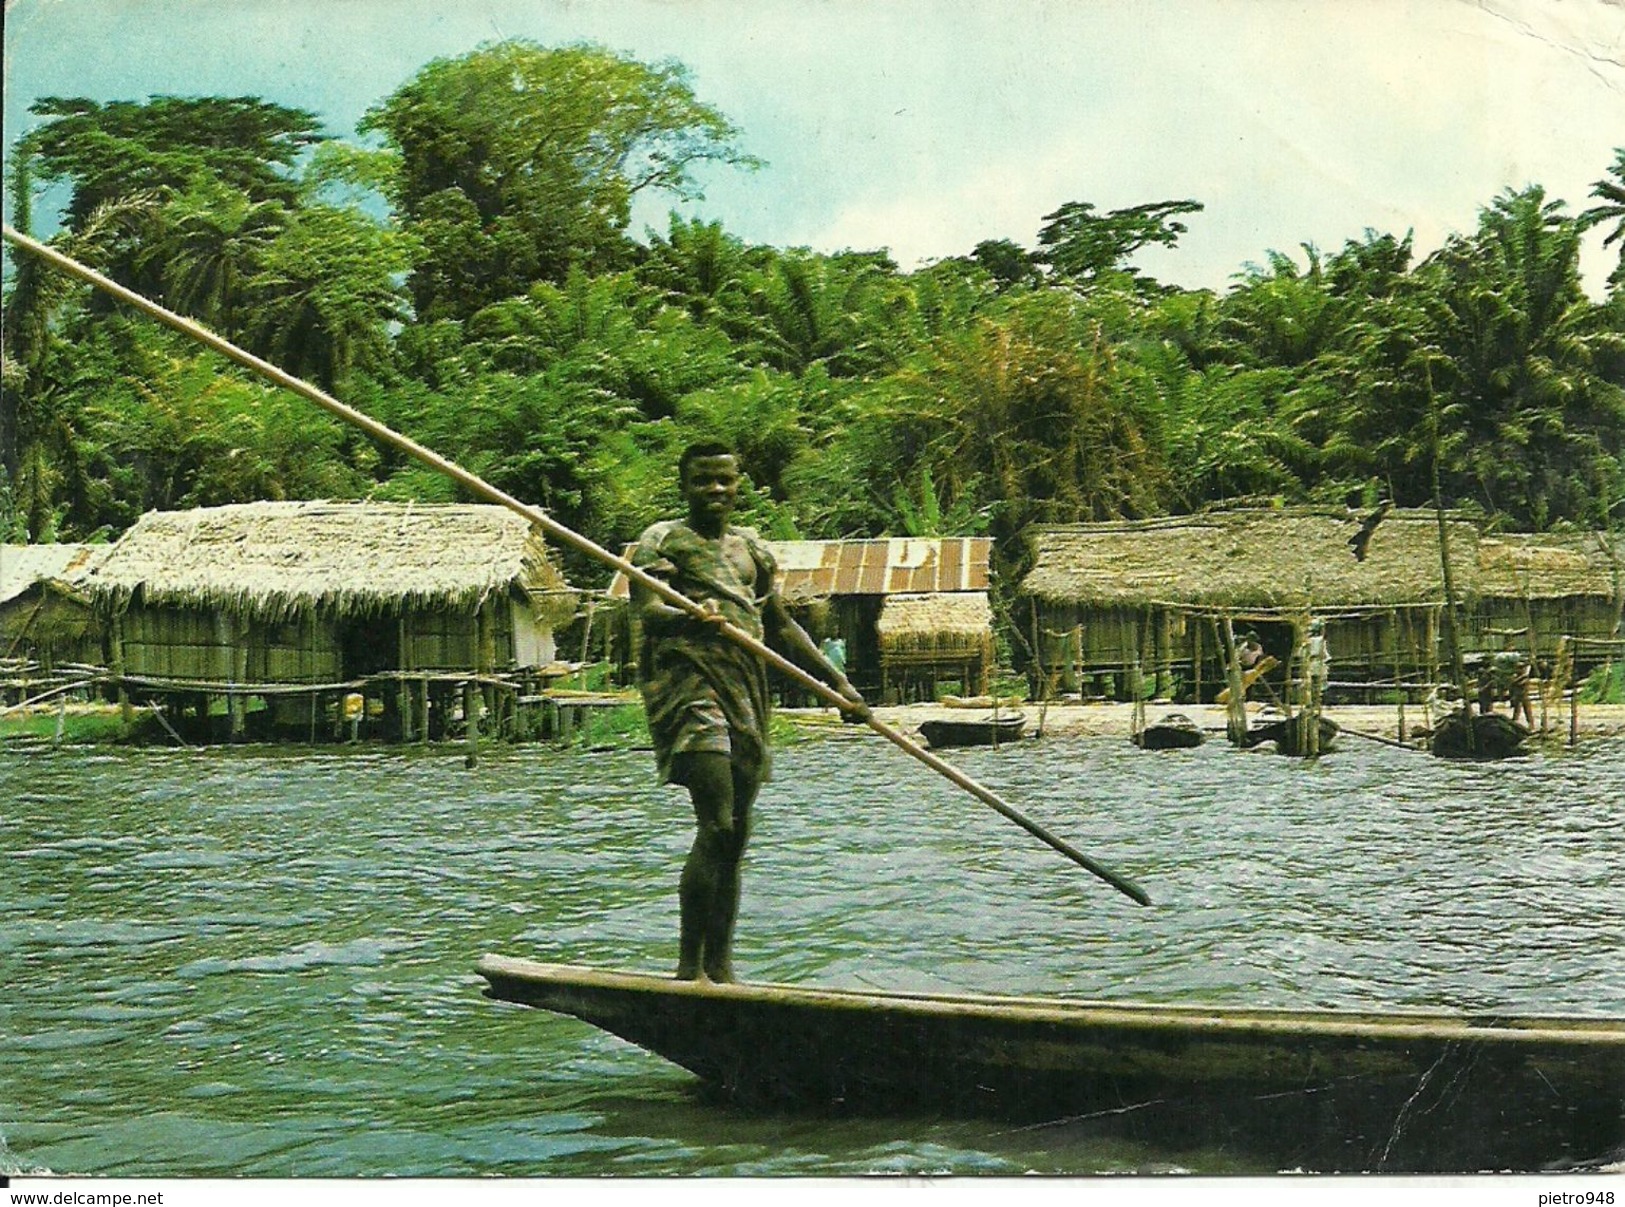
<point>1175,731</point>
<point>973,731</point>
<point>1326,1090</point>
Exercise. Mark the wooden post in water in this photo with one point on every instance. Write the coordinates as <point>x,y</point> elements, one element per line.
<point>1399,678</point>
<point>1235,709</point>
<point>1309,721</point>
<point>1574,696</point>
<point>471,724</point>
<point>116,642</point>
<point>486,629</point>
<point>1165,653</point>
<point>237,652</point>
<point>1137,686</point>
<point>1041,682</point>
<point>403,693</point>
<point>1430,641</point>
<point>1196,659</point>
<point>1533,678</point>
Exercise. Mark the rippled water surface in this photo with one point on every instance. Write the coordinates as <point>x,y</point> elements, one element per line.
<point>260,962</point>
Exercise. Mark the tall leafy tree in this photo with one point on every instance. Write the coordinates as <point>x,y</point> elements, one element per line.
<point>207,242</point>
<point>518,163</point>
<point>1081,245</point>
<point>1528,422</point>
<point>44,368</point>
<point>1029,409</point>
<point>114,150</point>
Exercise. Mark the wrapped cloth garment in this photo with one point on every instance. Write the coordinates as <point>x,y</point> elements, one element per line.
<point>701,691</point>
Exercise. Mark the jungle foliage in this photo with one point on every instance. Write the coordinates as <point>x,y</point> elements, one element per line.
<point>471,279</point>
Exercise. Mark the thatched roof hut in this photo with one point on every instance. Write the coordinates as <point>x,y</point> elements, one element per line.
<point>24,566</point>
<point>275,560</point>
<point>946,626</point>
<point>1551,565</point>
<point>43,610</point>
<point>311,593</point>
<point>1544,587</point>
<point>1254,560</point>
<point>1109,601</point>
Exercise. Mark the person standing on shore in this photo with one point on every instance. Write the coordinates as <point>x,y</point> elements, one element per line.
<point>706,696</point>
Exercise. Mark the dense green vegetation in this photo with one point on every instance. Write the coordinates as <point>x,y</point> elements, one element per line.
<point>472,280</point>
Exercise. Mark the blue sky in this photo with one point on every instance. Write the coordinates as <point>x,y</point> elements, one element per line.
<point>925,126</point>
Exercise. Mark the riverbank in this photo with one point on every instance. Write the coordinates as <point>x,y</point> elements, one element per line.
<point>1104,720</point>
<point>100,723</point>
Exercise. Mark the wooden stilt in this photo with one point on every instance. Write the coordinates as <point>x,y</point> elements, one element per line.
<point>1574,702</point>
<point>1235,709</point>
<point>237,702</point>
<point>1196,658</point>
<point>1399,678</point>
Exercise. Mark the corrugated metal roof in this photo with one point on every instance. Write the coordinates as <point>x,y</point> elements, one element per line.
<point>884,566</point>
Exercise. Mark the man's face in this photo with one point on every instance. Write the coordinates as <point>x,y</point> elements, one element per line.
<point>711,486</point>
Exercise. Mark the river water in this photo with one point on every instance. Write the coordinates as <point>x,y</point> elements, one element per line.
<point>259,961</point>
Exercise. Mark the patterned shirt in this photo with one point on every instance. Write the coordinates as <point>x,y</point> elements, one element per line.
<point>701,691</point>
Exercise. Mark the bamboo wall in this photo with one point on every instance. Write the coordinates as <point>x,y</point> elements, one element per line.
<point>1575,616</point>
<point>208,646</point>
<point>176,643</point>
<point>1087,648</point>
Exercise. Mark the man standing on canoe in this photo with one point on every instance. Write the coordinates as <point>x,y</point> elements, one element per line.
<point>706,696</point>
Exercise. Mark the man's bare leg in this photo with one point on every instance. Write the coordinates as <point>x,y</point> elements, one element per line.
<point>719,932</point>
<point>712,867</point>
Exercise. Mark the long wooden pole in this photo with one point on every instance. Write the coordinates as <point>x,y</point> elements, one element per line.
<point>565,536</point>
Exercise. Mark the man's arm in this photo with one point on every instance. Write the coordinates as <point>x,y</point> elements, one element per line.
<point>791,640</point>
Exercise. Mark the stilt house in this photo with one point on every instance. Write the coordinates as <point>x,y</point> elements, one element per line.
<point>1104,601</point>
<point>327,596</point>
<point>1537,590</point>
<point>46,618</point>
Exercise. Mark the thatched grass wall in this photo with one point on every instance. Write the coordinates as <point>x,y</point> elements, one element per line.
<point>44,614</point>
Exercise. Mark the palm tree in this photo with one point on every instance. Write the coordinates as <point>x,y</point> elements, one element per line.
<point>210,242</point>
<point>39,441</point>
<point>1610,207</point>
<point>325,294</point>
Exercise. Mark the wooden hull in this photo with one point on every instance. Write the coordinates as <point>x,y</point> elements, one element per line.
<point>970,731</point>
<point>1290,733</point>
<point>1174,732</point>
<point>1482,736</point>
<point>1323,1090</point>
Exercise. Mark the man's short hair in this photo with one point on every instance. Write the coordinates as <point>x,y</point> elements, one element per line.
<point>702,448</point>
